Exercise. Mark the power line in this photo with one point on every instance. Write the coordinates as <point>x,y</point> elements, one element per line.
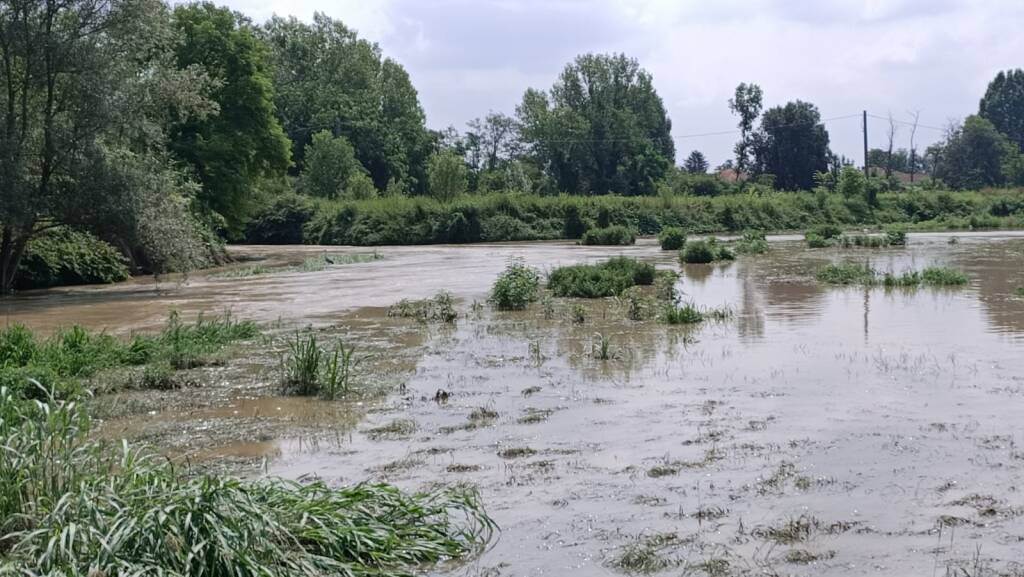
<point>906,122</point>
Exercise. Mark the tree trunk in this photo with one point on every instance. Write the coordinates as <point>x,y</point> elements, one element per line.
<point>12,248</point>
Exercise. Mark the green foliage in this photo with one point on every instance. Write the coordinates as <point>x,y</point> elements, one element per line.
<point>846,274</point>
<point>857,274</point>
<point>76,353</point>
<point>72,506</point>
<point>751,242</point>
<point>705,251</point>
<point>614,235</point>
<point>746,103</point>
<point>515,288</point>
<point>605,279</point>
<point>281,221</point>
<point>448,176</point>
<point>672,238</point>
<point>852,183</point>
<point>307,369</point>
<point>440,308</point>
<point>687,314</point>
<point>896,235</point>
<point>328,78</point>
<point>696,163</point>
<point>792,145</point>
<point>822,235</point>
<point>976,155</point>
<point>1003,105</point>
<point>496,217</point>
<point>330,162</point>
<point>62,256</point>
<point>609,102</point>
<point>244,141</point>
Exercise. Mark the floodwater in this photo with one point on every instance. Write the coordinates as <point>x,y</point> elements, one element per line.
<point>820,431</point>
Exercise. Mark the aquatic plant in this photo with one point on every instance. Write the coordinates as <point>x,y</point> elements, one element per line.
<point>307,369</point>
<point>846,274</point>
<point>687,314</point>
<point>608,278</point>
<point>516,287</point>
<point>672,238</point>
<point>72,506</point>
<point>751,242</point>
<point>648,554</point>
<point>614,235</point>
<point>578,314</point>
<point>858,274</point>
<point>76,353</point>
<point>439,308</point>
<point>601,347</point>
<point>705,251</point>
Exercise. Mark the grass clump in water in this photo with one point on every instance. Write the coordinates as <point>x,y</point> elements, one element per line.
<point>614,235</point>
<point>863,275</point>
<point>648,554</point>
<point>609,278</point>
<point>1019,292</point>
<point>752,242</point>
<point>71,506</point>
<point>847,274</point>
<point>515,288</point>
<point>688,314</point>
<point>439,308</point>
<point>307,369</point>
<point>672,238</point>
<point>705,252</point>
<point>76,353</point>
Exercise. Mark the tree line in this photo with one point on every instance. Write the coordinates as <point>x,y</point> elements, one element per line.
<point>161,129</point>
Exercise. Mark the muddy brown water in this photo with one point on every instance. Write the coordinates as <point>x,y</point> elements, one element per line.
<point>821,431</point>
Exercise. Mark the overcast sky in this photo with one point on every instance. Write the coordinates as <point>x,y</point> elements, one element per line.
<point>467,57</point>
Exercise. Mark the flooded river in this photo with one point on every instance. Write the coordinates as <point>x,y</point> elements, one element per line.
<point>820,431</point>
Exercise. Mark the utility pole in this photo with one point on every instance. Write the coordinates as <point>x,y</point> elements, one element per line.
<point>866,143</point>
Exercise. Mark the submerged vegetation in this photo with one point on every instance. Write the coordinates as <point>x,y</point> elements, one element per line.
<point>440,308</point>
<point>307,369</point>
<point>72,506</point>
<point>672,238</point>
<point>605,279</point>
<point>864,275</point>
<point>62,360</point>
<point>516,287</point>
<point>705,252</point>
<point>609,236</point>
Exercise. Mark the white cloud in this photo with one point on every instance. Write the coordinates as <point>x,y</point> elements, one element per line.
<point>470,56</point>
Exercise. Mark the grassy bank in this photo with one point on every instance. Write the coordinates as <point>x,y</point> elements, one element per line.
<point>510,217</point>
<point>74,505</point>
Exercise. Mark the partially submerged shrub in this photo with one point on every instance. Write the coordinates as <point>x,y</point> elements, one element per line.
<point>896,235</point>
<point>943,276</point>
<point>846,274</point>
<point>752,242</point>
<point>705,251</point>
<point>61,257</point>
<point>614,235</point>
<point>682,315</point>
<point>516,287</point>
<point>672,238</point>
<point>608,278</point>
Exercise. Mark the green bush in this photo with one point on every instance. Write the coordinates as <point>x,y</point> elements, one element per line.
<point>846,274</point>
<point>672,238</point>
<point>614,235</point>
<point>815,240</point>
<point>752,242</point>
<point>516,287</point>
<point>896,236</point>
<point>280,222</point>
<point>63,257</point>
<point>609,278</point>
<point>682,315</point>
<point>698,252</point>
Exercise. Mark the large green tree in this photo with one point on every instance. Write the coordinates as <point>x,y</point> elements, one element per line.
<point>601,128</point>
<point>327,78</point>
<point>746,103</point>
<point>232,150</point>
<point>976,155</point>
<point>88,90</point>
<point>1003,105</point>
<point>792,145</point>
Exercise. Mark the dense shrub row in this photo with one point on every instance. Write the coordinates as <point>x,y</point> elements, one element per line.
<point>61,257</point>
<point>507,217</point>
